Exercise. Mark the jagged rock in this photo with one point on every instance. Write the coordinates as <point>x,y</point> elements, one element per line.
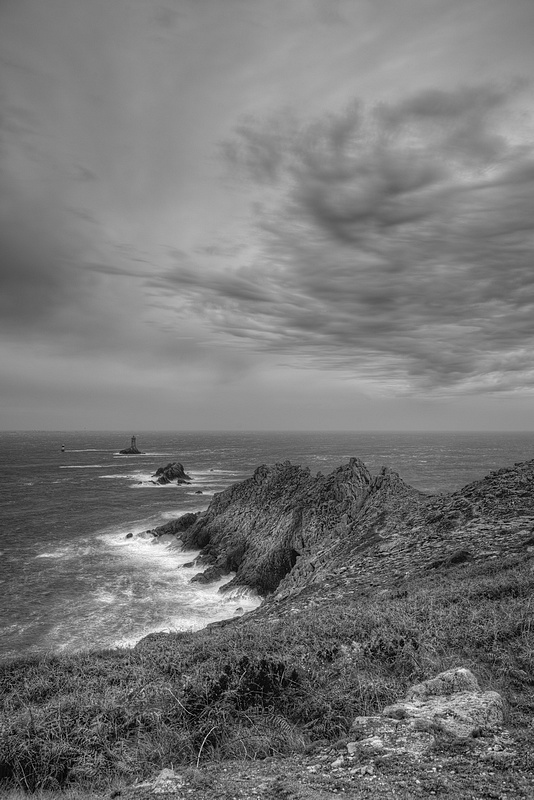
<point>451,703</point>
<point>209,575</point>
<point>292,536</point>
<point>176,526</point>
<point>174,471</point>
<point>260,527</point>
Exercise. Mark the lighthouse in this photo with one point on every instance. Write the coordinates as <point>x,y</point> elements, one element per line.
<point>132,450</point>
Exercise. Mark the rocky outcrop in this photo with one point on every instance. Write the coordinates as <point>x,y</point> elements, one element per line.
<point>450,704</point>
<point>261,527</point>
<point>172,472</point>
<point>291,535</point>
<point>381,758</point>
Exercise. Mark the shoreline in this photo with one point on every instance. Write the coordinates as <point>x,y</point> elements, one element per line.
<point>390,587</point>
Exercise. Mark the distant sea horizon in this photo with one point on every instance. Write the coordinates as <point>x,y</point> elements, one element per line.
<point>71,580</point>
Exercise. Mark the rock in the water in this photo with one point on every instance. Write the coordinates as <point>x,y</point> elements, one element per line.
<point>209,575</point>
<point>174,471</point>
<point>132,450</point>
<point>176,526</point>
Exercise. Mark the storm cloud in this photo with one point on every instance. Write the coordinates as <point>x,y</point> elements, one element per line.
<point>394,244</point>
<point>258,213</point>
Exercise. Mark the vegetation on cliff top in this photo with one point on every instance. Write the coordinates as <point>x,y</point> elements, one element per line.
<point>252,689</point>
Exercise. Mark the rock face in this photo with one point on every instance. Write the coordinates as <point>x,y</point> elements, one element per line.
<point>452,704</point>
<point>263,526</point>
<point>172,472</point>
<point>289,534</point>
<point>176,526</point>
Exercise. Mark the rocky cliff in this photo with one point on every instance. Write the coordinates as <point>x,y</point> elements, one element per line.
<point>291,535</point>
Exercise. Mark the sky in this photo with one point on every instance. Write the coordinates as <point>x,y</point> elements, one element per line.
<point>266,214</point>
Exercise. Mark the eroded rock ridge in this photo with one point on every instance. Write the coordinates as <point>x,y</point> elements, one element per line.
<point>291,533</point>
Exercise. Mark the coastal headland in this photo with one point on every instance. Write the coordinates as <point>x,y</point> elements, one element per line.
<point>392,654</point>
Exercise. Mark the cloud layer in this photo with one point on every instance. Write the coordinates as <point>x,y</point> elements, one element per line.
<point>393,244</point>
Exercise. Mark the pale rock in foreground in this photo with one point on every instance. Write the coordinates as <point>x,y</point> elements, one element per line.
<point>452,703</point>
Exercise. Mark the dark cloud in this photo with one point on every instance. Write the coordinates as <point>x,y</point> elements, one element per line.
<point>396,245</point>
<point>52,296</point>
<point>37,255</point>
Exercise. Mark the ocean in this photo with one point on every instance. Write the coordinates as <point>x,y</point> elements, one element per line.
<point>71,579</point>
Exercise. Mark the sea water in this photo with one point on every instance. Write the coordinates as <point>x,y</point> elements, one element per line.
<point>71,578</point>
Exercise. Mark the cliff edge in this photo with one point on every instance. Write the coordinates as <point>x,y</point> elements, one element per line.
<point>286,533</point>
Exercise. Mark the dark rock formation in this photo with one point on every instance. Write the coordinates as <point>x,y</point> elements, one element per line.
<point>286,532</point>
<point>132,450</point>
<point>176,526</point>
<point>260,527</point>
<point>172,472</point>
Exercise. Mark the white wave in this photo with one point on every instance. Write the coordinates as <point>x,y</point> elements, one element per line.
<point>166,515</point>
<point>127,476</point>
<point>150,453</point>
<point>90,450</point>
<point>242,593</point>
<point>60,553</point>
<point>140,475</point>
<point>103,596</point>
<point>212,472</point>
<point>144,545</point>
<point>201,605</point>
<point>150,594</point>
<point>154,485</point>
<point>82,466</point>
<point>68,551</point>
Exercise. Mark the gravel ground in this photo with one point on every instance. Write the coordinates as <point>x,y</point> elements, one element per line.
<point>498,767</point>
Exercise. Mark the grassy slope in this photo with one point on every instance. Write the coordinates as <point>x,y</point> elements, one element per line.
<point>254,689</point>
